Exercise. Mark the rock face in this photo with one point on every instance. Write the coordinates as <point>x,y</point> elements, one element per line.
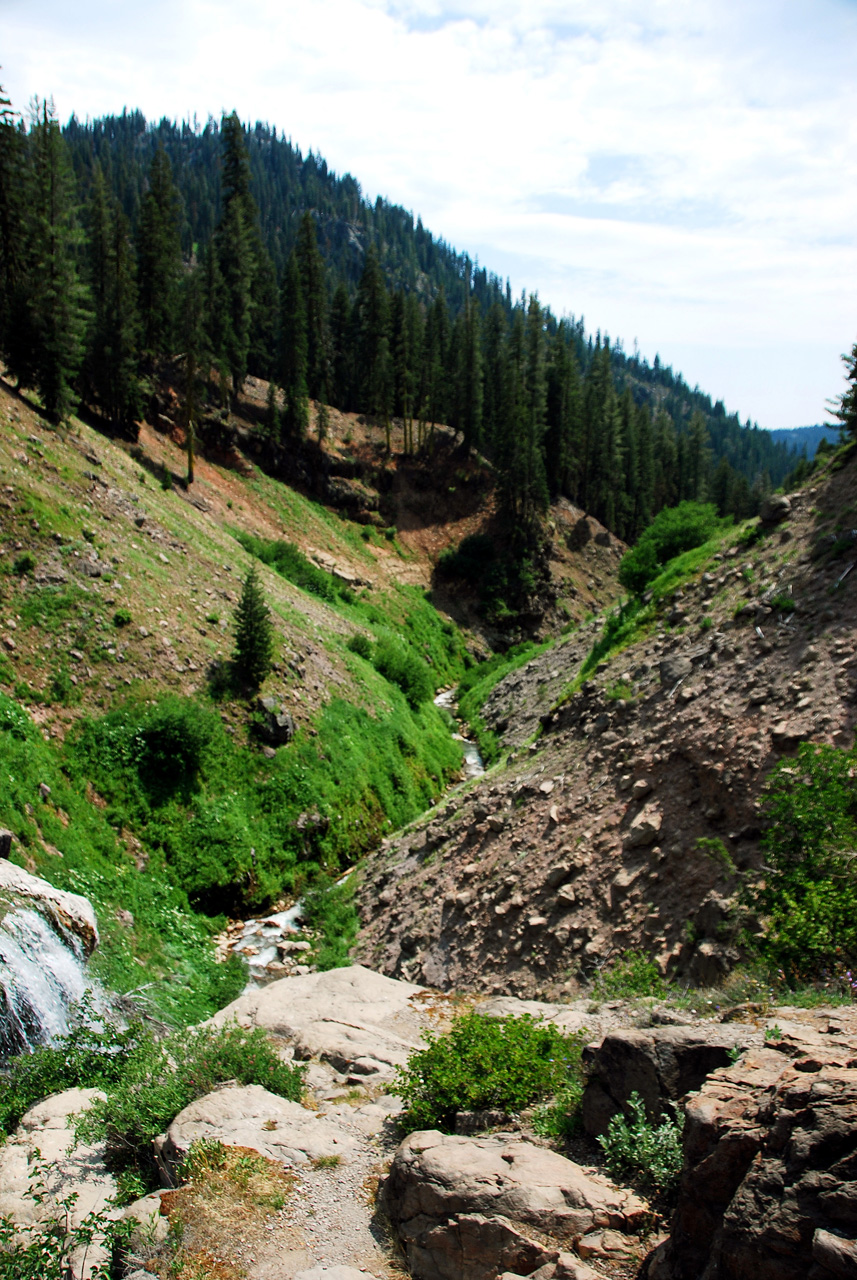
<point>357,1020</point>
<point>250,1116</point>
<point>44,1140</point>
<point>275,726</point>
<point>662,1064</point>
<point>470,1208</point>
<point>769,1190</point>
<point>67,911</point>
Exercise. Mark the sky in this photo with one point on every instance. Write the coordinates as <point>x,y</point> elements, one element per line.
<point>681,173</point>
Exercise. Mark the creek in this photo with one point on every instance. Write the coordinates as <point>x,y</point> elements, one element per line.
<point>265,942</point>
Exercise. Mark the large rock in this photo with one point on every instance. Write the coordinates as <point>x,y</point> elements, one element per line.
<point>250,1116</point>
<point>43,1149</point>
<point>662,1064</point>
<point>67,911</point>
<point>769,1189</point>
<point>674,668</point>
<point>774,508</point>
<point>475,1207</point>
<point>274,725</point>
<point>356,1020</point>
<point>645,828</point>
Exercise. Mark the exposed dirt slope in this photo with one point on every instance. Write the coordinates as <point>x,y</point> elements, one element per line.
<point>584,844</point>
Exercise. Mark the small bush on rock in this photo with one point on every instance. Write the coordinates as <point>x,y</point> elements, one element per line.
<point>632,975</point>
<point>649,1154</point>
<point>484,1063</point>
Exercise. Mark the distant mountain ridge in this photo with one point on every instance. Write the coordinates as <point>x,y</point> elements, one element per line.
<point>806,439</point>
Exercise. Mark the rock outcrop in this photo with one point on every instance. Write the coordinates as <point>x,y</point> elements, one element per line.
<point>769,1189</point>
<point>470,1208</point>
<point>69,912</point>
<point>250,1116</point>
<point>662,1064</point>
<point>358,1021</point>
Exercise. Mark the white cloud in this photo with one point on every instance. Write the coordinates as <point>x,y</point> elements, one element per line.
<point>682,173</point>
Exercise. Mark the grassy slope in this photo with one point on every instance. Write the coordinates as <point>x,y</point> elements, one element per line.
<point>82,647</point>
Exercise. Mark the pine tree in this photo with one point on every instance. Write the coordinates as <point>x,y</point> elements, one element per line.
<point>293,353</point>
<point>56,296</point>
<point>159,258</point>
<point>16,341</point>
<point>311,267</point>
<point>340,389</point>
<point>845,406</point>
<point>113,353</point>
<point>236,243</point>
<point>373,337</point>
<point>467,364</point>
<point>254,634</point>
<point>192,333</point>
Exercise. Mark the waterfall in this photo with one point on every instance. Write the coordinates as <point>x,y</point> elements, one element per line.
<point>42,977</point>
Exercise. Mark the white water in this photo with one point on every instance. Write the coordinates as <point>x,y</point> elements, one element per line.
<point>42,976</point>
<point>473,766</point>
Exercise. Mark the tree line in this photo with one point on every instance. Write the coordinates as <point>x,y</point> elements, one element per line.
<point>129,253</point>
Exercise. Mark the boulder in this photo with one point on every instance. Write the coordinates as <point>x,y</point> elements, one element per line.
<point>344,1016</point>
<point>69,912</point>
<point>474,1207</point>
<point>769,1188</point>
<point>774,508</point>
<point>674,668</point>
<point>250,1116</point>
<point>273,725</point>
<point>43,1149</point>
<point>644,829</point>
<point>661,1063</point>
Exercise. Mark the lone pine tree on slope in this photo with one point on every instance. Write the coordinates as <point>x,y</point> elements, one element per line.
<point>254,634</point>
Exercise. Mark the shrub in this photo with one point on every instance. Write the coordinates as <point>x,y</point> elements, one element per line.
<point>633,975</point>
<point>254,634</point>
<point>24,563</point>
<point>329,909</point>
<point>122,617</point>
<point>45,1251</point>
<point>482,1063</point>
<point>399,664</point>
<point>360,644</point>
<point>637,1149</point>
<point>810,889</point>
<point>162,1077</point>
<point>673,530</point>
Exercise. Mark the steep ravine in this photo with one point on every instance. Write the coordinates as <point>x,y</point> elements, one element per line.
<point>584,844</point>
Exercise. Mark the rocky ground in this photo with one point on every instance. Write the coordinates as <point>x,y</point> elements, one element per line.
<point>768,1183</point>
<point>583,843</point>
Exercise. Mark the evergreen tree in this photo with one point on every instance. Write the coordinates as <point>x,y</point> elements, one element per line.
<point>311,267</point>
<point>845,407</point>
<point>112,356</point>
<point>159,258</point>
<point>467,365</point>
<point>564,433</point>
<point>293,353</point>
<point>340,389</point>
<point>16,343</point>
<point>192,333</point>
<point>254,634</point>
<point>56,296</point>
<point>435,356</point>
<point>373,338</point>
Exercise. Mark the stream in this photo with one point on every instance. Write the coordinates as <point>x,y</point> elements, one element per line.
<point>265,942</point>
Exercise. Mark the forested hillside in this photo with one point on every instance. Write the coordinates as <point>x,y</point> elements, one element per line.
<point>132,252</point>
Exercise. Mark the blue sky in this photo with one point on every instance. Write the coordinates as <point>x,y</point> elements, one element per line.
<point>681,173</point>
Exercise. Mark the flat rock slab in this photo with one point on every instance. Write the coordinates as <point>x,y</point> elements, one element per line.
<point>250,1116</point>
<point>353,1018</point>
<point>465,1208</point>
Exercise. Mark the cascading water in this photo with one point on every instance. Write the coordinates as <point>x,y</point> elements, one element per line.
<point>42,977</point>
<point>473,766</point>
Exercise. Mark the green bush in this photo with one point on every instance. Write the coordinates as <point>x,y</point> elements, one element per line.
<point>161,1077</point>
<point>292,564</point>
<point>810,889</point>
<point>92,1055</point>
<point>399,664</point>
<point>673,530</point>
<point>360,644</point>
<point>483,1063</point>
<point>122,618</point>
<point>650,1155</point>
<point>329,909</point>
<point>24,563</point>
<point>632,975</point>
